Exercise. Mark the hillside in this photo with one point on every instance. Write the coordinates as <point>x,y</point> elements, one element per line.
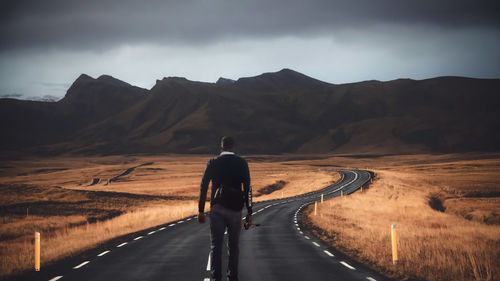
<point>279,112</point>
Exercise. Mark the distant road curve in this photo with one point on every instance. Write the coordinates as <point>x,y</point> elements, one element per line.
<point>277,250</point>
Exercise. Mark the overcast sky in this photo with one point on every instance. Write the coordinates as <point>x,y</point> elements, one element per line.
<point>46,45</point>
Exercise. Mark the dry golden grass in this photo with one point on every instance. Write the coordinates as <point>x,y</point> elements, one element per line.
<point>175,175</point>
<point>478,209</point>
<point>433,245</point>
<point>60,198</point>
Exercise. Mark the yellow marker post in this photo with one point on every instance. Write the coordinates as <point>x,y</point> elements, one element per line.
<point>37,251</point>
<point>282,195</point>
<point>315,207</point>
<point>321,197</point>
<point>361,189</point>
<point>341,193</point>
<point>394,244</point>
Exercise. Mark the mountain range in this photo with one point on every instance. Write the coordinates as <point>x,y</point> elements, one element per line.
<point>272,113</point>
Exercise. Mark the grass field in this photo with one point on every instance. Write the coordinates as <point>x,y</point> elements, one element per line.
<point>89,200</point>
<point>446,209</point>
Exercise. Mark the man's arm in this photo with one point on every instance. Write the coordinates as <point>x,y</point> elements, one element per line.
<point>205,180</point>
<point>247,189</point>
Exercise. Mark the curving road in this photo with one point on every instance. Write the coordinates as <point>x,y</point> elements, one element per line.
<point>277,250</point>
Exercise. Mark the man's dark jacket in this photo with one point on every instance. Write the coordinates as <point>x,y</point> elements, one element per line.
<point>228,169</point>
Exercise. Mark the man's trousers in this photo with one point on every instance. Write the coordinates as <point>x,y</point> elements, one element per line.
<point>222,218</point>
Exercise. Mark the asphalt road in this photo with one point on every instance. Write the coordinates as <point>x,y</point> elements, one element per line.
<point>279,249</point>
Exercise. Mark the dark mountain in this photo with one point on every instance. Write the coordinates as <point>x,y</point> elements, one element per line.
<point>279,112</point>
<point>27,124</point>
<point>224,81</point>
<point>279,81</point>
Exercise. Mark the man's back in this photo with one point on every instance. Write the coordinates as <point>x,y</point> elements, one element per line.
<point>229,170</point>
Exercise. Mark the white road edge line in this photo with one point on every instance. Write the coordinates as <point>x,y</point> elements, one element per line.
<point>80,265</point>
<point>161,229</point>
<point>137,238</point>
<point>152,232</point>
<point>328,253</point>
<point>122,244</point>
<point>103,253</point>
<point>347,265</point>
<point>56,278</point>
<point>172,224</point>
<point>371,279</point>
<point>208,263</point>
<point>315,244</point>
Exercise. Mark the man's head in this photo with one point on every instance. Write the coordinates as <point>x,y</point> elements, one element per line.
<point>227,143</point>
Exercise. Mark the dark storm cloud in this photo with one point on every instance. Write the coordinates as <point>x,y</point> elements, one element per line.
<point>102,24</point>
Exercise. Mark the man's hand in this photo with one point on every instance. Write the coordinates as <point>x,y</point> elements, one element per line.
<point>201,218</point>
<point>248,221</point>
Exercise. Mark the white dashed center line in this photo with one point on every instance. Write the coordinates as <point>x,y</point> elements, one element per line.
<point>172,224</point>
<point>80,265</point>
<point>328,253</point>
<point>180,221</point>
<point>56,278</point>
<point>208,263</point>
<point>161,229</point>
<point>307,237</point>
<point>315,244</point>
<point>121,245</point>
<point>151,232</point>
<point>347,265</point>
<point>371,279</point>
<point>103,253</point>
<point>137,238</point>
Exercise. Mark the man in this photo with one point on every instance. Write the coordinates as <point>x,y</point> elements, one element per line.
<point>228,173</point>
